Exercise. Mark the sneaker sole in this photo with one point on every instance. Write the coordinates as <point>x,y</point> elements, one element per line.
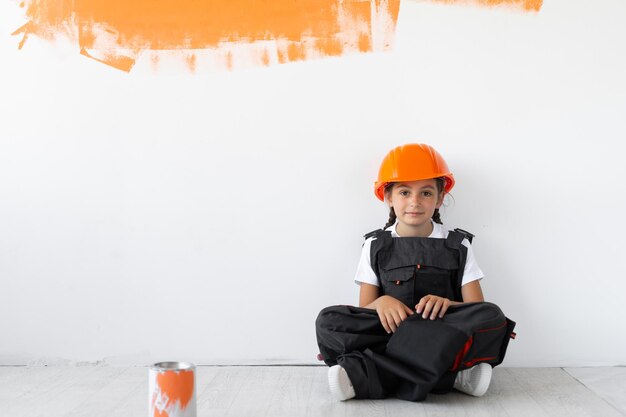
<point>339,383</point>
<point>484,382</point>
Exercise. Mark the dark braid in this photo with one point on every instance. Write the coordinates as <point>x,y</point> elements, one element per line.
<point>392,213</point>
<point>441,181</point>
<point>437,217</point>
<point>392,218</point>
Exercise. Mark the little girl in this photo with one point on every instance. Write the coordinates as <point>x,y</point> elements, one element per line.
<point>422,324</point>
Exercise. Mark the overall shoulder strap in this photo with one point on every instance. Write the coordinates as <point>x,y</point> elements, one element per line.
<point>383,240</point>
<point>455,241</point>
<point>373,233</point>
<point>467,235</point>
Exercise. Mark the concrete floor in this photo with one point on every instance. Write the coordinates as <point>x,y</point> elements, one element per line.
<point>302,391</point>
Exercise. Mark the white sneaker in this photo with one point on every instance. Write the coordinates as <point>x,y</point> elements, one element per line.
<point>474,381</point>
<point>339,382</point>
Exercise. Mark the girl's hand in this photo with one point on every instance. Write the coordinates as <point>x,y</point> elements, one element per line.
<point>432,306</point>
<point>391,312</point>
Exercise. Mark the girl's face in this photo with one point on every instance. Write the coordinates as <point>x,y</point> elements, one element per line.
<point>414,203</point>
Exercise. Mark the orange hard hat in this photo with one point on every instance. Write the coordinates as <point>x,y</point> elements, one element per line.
<point>412,162</point>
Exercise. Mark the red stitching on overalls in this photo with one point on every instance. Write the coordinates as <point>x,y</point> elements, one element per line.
<point>462,353</point>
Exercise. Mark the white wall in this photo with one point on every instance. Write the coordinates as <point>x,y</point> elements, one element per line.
<point>209,217</point>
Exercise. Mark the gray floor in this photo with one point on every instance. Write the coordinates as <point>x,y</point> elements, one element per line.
<point>302,391</point>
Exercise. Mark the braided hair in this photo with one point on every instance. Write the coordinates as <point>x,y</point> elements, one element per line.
<point>392,214</point>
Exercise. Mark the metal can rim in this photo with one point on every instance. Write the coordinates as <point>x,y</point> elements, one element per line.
<point>169,366</point>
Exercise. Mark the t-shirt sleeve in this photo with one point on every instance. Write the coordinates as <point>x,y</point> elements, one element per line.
<point>364,271</point>
<point>472,271</point>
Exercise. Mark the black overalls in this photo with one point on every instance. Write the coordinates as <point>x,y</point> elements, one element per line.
<point>422,355</point>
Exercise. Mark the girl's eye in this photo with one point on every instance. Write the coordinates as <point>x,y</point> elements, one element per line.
<point>427,194</point>
<point>404,193</point>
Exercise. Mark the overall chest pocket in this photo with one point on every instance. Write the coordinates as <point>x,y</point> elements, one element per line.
<point>434,281</point>
<point>399,283</point>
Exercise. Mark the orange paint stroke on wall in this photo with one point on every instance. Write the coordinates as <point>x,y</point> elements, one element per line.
<point>528,5</point>
<point>117,32</point>
<point>225,33</point>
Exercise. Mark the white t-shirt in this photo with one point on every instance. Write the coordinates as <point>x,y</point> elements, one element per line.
<point>366,274</point>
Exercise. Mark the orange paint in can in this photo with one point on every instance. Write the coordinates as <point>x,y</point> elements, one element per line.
<point>172,389</point>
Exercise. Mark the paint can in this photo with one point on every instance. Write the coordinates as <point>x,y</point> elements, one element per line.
<point>172,389</point>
